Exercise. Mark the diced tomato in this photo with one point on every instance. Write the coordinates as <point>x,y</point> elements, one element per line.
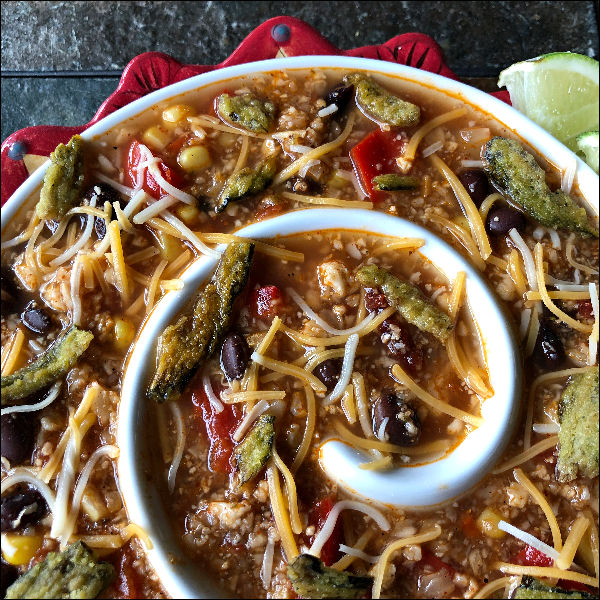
<point>330,552</point>
<point>531,557</point>
<point>177,144</point>
<point>434,563</point>
<point>127,582</point>
<point>585,309</point>
<point>219,428</point>
<point>565,584</point>
<point>376,155</point>
<point>150,185</point>
<point>266,301</point>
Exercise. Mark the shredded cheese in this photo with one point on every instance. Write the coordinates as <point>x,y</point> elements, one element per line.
<point>328,201</point>
<point>463,238</point>
<point>120,268</point>
<point>22,475</point>
<point>385,462</point>
<point>189,235</point>
<point>493,586</point>
<point>132,530</point>
<point>567,554</point>
<point>315,153</point>
<point>155,208</point>
<point>565,318</point>
<point>348,405</point>
<point>475,222</point>
<point>468,374</point>
<point>423,536</point>
<point>241,161</point>
<point>11,352</point>
<point>366,327</point>
<point>179,445</point>
<point>153,285</point>
<point>360,393</point>
<point>578,265</point>
<point>405,161</point>
<point>458,288</point>
<point>311,418</point>
<point>289,369</point>
<point>515,271</point>
<point>434,447</point>
<point>559,295</point>
<point>402,377</point>
<point>522,457</point>
<point>346,373</point>
<point>262,247</point>
<point>24,408</point>
<point>281,517</point>
<point>528,539</point>
<point>325,532</point>
<point>402,244</point>
<point>290,487</point>
<point>550,572</point>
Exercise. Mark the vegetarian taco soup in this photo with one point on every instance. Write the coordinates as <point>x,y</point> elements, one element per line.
<point>295,340</point>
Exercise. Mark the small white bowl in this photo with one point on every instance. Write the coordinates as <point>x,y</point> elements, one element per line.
<point>416,486</point>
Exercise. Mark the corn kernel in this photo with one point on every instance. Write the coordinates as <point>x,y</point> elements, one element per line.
<point>188,214</point>
<point>487,523</point>
<point>177,112</point>
<point>124,332</point>
<point>170,247</point>
<point>156,138</point>
<point>194,158</point>
<point>20,549</point>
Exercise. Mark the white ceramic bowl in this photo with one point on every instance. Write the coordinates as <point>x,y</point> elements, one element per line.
<point>418,486</point>
<point>184,579</point>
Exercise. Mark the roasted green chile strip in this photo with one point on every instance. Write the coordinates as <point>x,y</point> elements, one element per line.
<point>578,437</point>
<point>312,579</point>
<point>73,573</point>
<point>246,111</point>
<point>52,364</point>
<point>194,337</point>
<point>392,182</point>
<point>408,300</point>
<point>381,105</point>
<point>532,589</point>
<point>63,181</point>
<point>247,182</point>
<point>514,171</point>
<point>252,454</point>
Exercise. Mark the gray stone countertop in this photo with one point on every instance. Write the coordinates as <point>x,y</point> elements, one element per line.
<point>60,60</point>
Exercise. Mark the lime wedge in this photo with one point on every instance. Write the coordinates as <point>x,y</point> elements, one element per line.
<point>588,145</point>
<point>558,91</point>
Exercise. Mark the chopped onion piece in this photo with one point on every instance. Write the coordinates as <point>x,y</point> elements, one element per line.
<point>472,164</point>
<point>432,149</point>
<point>527,258</point>
<point>546,428</point>
<point>568,175</point>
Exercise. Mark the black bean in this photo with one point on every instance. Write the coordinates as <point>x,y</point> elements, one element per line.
<point>476,183</point>
<point>329,372</point>
<point>502,220</point>
<point>549,352</point>
<point>102,193</point>
<point>401,345</point>
<point>9,576</point>
<point>17,437</point>
<point>11,292</point>
<point>22,508</point>
<point>235,355</point>
<point>403,426</point>
<point>35,318</point>
<point>340,96</point>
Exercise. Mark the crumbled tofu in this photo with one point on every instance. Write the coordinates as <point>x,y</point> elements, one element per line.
<point>517,495</point>
<point>229,514</point>
<point>333,279</point>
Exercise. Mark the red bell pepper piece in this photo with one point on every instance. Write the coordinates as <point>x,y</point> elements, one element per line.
<point>376,155</point>
<point>266,301</point>
<point>531,557</point>
<point>330,552</point>
<point>150,186</point>
<point>434,563</point>
<point>219,428</point>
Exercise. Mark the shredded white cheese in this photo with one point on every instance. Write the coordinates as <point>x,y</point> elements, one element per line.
<point>528,539</point>
<point>347,368</point>
<point>47,401</point>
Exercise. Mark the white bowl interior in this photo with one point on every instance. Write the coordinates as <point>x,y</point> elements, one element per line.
<point>419,485</point>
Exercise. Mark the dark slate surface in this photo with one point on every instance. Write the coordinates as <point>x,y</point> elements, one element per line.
<point>479,39</point>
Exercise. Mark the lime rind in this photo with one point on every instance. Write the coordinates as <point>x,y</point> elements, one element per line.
<point>587,143</point>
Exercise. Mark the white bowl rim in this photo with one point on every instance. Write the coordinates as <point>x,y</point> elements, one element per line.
<point>532,134</point>
<point>436,482</point>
